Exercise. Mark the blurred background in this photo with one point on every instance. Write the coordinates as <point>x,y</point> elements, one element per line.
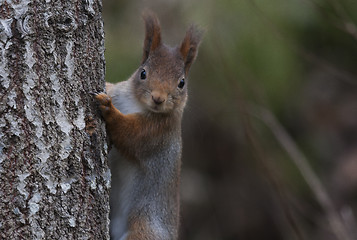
<point>270,130</point>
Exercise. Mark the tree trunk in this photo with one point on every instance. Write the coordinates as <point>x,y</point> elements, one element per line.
<point>54,176</point>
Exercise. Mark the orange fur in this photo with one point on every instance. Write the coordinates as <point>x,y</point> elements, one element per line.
<point>132,131</point>
<point>189,46</point>
<point>152,33</point>
<point>149,135</point>
<point>139,229</point>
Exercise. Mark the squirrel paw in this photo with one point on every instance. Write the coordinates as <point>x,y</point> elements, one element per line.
<point>105,103</point>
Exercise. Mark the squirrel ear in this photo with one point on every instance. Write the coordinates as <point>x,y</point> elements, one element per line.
<point>189,46</point>
<point>152,33</point>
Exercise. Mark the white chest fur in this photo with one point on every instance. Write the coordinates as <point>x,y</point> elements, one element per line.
<point>123,97</point>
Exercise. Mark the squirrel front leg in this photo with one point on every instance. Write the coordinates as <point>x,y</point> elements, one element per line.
<point>124,130</point>
<point>109,112</point>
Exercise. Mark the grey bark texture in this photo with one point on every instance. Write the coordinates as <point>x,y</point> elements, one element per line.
<point>54,175</point>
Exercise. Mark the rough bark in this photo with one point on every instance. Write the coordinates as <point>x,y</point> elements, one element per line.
<point>54,177</point>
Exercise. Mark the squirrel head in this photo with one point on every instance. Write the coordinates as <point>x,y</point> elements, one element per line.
<point>160,83</point>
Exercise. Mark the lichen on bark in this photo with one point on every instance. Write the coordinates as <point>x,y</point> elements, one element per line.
<point>54,176</point>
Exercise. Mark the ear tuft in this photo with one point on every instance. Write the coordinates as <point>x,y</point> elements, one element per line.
<point>152,33</point>
<point>189,45</point>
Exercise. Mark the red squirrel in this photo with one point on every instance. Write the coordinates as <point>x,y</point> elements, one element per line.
<point>143,118</point>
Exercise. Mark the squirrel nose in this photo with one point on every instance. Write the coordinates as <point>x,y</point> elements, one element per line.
<point>157,98</point>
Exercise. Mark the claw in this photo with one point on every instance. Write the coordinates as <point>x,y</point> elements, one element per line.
<point>105,102</point>
<point>96,92</point>
<point>103,99</point>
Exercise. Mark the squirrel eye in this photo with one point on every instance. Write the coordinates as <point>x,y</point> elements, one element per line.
<point>143,74</point>
<point>181,83</point>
